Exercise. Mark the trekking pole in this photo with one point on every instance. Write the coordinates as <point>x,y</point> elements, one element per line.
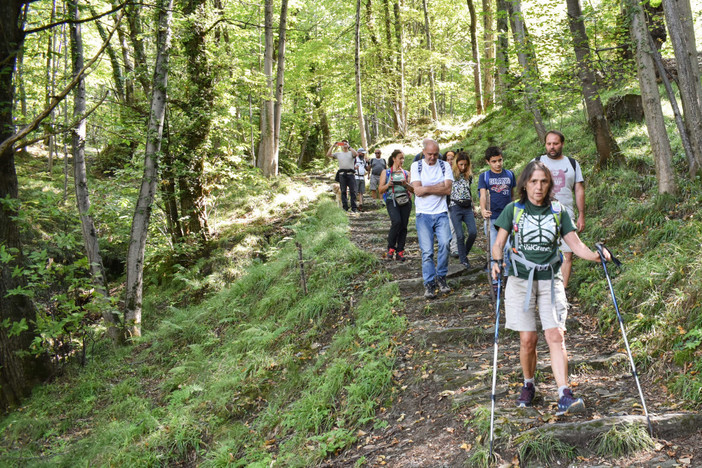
<point>600,249</point>
<point>494,359</point>
<point>486,225</point>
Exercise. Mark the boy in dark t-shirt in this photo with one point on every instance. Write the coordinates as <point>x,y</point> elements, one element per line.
<point>499,183</point>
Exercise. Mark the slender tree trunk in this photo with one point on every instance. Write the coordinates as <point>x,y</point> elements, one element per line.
<point>48,129</point>
<point>142,212</point>
<point>607,147</point>
<point>357,62</point>
<point>399,36</point>
<point>660,144</point>
<point>686,58</point>
<point>80,178</point>
<point>488,65</point>
<point>530,75</point>
<point>432,86</point>
<point>687,24</point>
<point>280,71</point>
<point>268,150</point>
<point>20,370</point>
<point>476,59</point>
<point>135,36</point>
<point>168,189</point>
<point>117,75</point>
<point>501,55</point>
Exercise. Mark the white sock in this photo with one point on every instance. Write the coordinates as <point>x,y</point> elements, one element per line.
<point>531,381</point>
<point>561,389</point>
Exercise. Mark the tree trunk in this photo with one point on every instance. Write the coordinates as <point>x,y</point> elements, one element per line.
<point>660,145</point>
<point>198,110</point>
<point>268,150</point>
<point>686,58</point>
<point>80,178</point>
<point>530,75</point>
<point>476,59</point>
<point>280,71</point>
<point>20,370</point>
<point>501,55</point>
<point>135,36</point>
<point>401,107</point>
<point>142,212</point>
<point>357,62</point>
<point>432,87</point>
<point>607,147</point>
<point>488,65</point>
<point>687,25</point>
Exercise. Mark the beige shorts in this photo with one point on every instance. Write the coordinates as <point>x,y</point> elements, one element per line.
<point>515,295</point>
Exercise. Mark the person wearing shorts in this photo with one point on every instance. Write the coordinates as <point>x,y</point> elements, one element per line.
<point>377,166</point>
<point>535,224</point>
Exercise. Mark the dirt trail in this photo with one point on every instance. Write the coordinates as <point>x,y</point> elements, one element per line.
<point>444,373</point>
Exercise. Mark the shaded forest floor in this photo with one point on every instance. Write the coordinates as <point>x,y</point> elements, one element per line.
<point>439,415</point>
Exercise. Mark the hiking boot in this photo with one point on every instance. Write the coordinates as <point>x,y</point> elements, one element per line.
<point>527,395</point>
<point>391,254</point>
<point>568,404</point>
<point>429,290</point>
<point>454,254</point>
<point>400,255</point>
<point>466,264</point>
<point>443,287</point>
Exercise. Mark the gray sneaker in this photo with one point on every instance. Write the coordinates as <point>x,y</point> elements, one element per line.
<point>568,404</point>
<point>429,290</point>
<point>441,282</point>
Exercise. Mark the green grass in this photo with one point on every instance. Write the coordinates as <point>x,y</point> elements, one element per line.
<point>542,447</point>
<point>254,373</point>
<point>623,440</point>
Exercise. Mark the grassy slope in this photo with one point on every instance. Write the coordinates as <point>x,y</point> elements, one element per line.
<point>257,370</point>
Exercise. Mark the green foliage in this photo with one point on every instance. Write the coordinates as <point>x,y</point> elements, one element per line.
<point>543,447</point>
<point>254,373</point>
<point>623,440</point>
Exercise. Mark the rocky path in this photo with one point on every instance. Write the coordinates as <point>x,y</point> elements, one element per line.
<point>439,413</point>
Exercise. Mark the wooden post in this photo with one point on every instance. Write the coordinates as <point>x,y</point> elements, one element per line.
<point>302,267</point>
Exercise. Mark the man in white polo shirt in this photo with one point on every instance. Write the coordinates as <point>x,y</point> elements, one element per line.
<point>432,180</point>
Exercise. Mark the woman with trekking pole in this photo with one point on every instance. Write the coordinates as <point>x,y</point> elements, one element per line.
<point>534,225</point>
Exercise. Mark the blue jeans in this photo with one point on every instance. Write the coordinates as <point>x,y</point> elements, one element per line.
<point>458,217</point>
<point>429,225</point>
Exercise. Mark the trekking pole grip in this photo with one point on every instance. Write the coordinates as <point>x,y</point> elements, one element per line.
<point>601,249</point>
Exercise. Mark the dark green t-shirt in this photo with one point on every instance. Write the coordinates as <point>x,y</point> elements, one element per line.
<point>536,235</point>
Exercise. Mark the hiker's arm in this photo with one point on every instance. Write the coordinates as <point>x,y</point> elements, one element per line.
<point>580,203</point>
<point>498,249</point>
<point>581,250</point>
<point>443,188</point>
<point>329,153</point>
<point>353,151</point>
<point>484,209</point>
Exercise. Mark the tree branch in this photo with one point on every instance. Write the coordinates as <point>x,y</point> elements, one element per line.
<point>68,21</point>
<point>56,100</point>
<point>66,128</point>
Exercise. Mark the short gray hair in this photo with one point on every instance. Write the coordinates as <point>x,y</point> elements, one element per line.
<point>429,141</point>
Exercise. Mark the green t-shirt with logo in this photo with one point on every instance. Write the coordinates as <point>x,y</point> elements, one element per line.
<point>536,236</point>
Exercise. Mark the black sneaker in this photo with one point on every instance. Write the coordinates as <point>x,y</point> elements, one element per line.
<point>429,290</point>
<point>527,395</point>
<point>441,282</point>
<point>568,404</point>
<point>400,255</point>
<point>466,264</point>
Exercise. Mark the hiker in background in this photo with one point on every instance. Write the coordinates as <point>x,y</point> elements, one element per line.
<point>396,189</point>
<point>432,179</point>
<point>499,183</point>
<point>535,224</point>
<point>360,167</point>
<point>345,174</point>
<point>568,186</point>
<point>449,156</point>
<point>377,166</point>
<point>461,206</point>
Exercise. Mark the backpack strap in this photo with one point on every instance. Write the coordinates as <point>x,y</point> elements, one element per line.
<point>571,160</point>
